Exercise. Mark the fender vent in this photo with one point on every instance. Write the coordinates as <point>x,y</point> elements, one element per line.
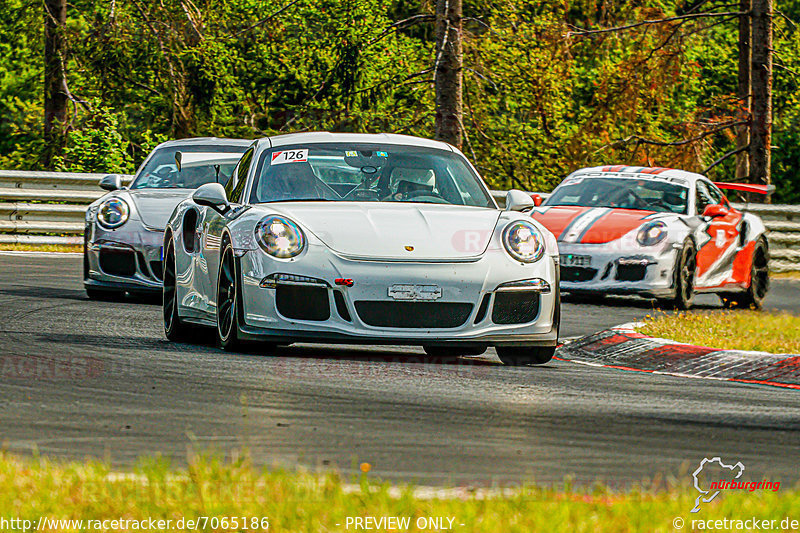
<point>483,308</point>
<point>158,269</point>
<point>341,307</point>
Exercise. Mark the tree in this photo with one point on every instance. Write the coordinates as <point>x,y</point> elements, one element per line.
<point>448,71</point>
<point>761,79</point>
<point>743,92</point>
<point>55,91</point>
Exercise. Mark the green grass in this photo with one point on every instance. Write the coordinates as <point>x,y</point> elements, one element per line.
<point>301,501</point>
<point>730,330</point>
<point>42,247</point>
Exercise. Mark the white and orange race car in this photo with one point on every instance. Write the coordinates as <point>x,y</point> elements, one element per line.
<point>658,233</point>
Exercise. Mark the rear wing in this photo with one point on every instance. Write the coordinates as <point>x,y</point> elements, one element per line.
<point>201,159</point>
<point>746,187</point>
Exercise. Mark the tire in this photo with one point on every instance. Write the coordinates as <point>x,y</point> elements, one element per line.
<point>684,277</point>
<point>104,295</point>
<point>227,302</point>
<point>532,355</point>
<point>175,329</point>
<point>453,351</point>
<point>753,296</point>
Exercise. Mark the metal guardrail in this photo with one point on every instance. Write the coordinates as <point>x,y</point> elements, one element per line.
<point>48,208</point>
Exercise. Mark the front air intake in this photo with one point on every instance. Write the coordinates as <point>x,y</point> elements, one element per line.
<point>302,302</point>
<point>422,315</point>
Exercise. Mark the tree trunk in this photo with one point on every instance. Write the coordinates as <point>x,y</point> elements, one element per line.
<point>743,93</point>
<point>447,71</point>
<point>761,74</point>
<point>55,95</point>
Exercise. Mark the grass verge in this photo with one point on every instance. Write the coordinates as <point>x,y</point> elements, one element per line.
<point>42,247</point>
<point>729,330</point>
<point>300,501</point>
<point>785,275</point>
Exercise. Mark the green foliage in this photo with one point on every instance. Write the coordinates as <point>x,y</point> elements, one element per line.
<point>539,100</point>
<point>95,145</point>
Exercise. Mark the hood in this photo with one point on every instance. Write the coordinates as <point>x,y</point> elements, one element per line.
<point>590,225</point>
<point>384,231</point>
<point>155,206</point>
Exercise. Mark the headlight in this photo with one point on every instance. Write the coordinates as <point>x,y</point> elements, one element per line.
<point>523,242</point>
<point>113,213</point>
<point>652,233</point>
<point>280,237</point>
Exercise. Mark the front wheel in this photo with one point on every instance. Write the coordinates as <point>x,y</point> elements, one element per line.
<point>227,306</point>
<point>175,329</point>
<point>520,356</point>
<point>684,276</point>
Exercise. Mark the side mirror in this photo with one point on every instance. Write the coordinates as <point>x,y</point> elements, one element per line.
<point>211,195</point>
<point>715,211</point>
<point>537,200</point>
<point>517,200</point>
<point>112,182</point>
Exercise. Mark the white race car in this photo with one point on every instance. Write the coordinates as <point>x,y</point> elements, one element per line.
<point>125,228</point>
<point>657,232</point>
<point>350,238</point>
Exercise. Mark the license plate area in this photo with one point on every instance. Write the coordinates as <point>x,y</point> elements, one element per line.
<point>410,292</point>
<point>572,260</point>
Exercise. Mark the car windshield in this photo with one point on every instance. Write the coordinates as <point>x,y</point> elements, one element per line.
<point>625,193</point>
<point>161,172</point>
<point>367,173</point>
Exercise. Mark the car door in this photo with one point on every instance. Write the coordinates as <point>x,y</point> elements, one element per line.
<point>212,226</point>
<point>719,237</point>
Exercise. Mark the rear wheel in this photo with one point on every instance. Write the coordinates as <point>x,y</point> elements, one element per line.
<point>754,296</point>
<point>531,355</point>
<point>227,306</point>
<point>174,328</point>
<point>453,351</point>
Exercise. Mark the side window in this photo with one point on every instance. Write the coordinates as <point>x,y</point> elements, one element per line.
<point>229,186</point>
<point>718,195</point>
<point>704,197</point>
<point>239,177</point>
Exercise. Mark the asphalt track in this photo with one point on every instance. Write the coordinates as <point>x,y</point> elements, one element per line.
<point>81,378</point>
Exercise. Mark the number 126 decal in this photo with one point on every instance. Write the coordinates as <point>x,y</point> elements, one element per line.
<point>290,156</point>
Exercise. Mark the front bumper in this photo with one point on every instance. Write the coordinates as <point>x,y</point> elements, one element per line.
<point>366,313</point>
<point>128,258</point>
<point>646,272</point>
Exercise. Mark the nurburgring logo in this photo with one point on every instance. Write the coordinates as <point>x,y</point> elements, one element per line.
<point>723,482</point>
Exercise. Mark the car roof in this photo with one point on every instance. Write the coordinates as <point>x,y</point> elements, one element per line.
<point>206,140</point>
<point>657,173</point>
<point>366,138</point>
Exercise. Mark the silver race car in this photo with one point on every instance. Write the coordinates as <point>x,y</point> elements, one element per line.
<point>125,228</point>
<point>380,239</point>
<point>656,232</point>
